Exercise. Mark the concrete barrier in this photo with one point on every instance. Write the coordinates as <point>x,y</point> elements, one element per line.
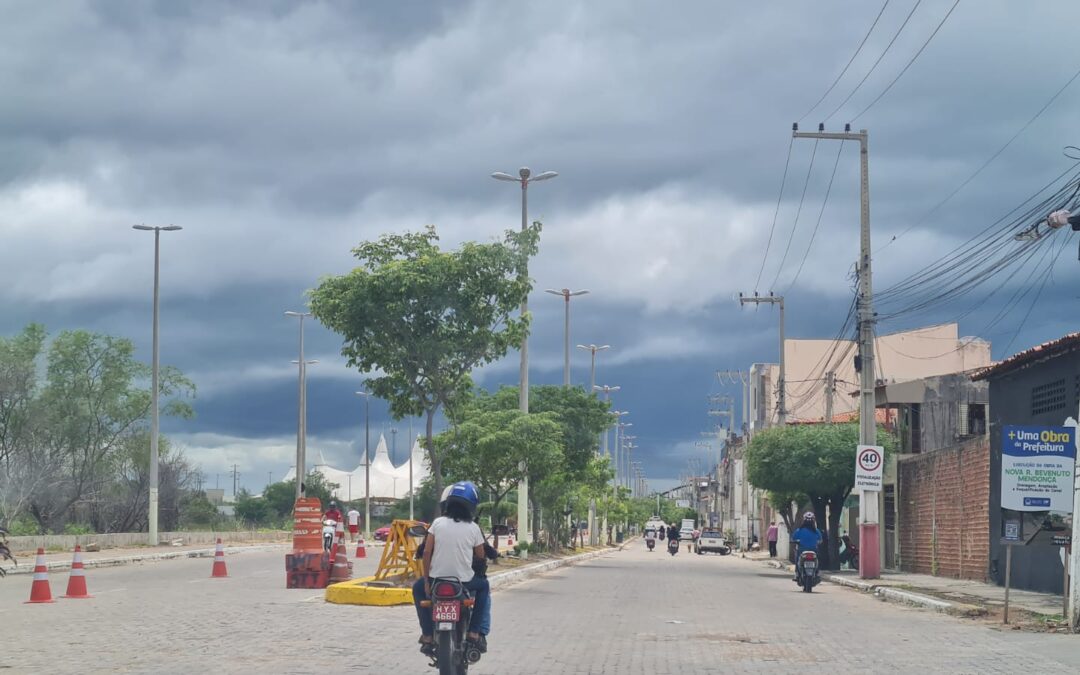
<point>67,542</point>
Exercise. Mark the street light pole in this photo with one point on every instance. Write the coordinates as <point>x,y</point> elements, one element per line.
<point>566,294</point>
<point>870,543</point>
<point>367,462</point>
<point>604,453</point>
<point>781,399</point>
<point>301,425</point>
<point>592,349</point>
<point>155,367</point>
<point>524,178</point>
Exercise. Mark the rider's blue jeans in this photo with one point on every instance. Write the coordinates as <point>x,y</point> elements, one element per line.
<point>480,622</point>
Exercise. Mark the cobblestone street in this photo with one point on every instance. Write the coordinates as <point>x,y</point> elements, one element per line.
<point>630,612</point>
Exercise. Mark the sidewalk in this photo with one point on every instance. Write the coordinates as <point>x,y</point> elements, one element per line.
<point>126,556</point>
<point>954,596</point>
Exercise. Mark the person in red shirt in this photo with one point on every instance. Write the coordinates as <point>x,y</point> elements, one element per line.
<point>333,513</point>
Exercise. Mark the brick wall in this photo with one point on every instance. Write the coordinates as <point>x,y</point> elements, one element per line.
<point>944,511</point>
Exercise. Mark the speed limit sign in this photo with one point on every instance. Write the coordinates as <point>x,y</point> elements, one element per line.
<point>869,463</point>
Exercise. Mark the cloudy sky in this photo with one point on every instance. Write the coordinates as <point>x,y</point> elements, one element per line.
<point>280,134</point>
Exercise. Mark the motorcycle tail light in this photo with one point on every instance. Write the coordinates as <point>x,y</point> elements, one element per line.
<point>810,556</point>
<point>445,591</point>
<point>469,602</point>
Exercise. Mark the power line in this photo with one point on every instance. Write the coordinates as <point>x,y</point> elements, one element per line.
<point>779,198</point>
<point>987,163</point>
<point>798,213</point>
<point>901,74</point>
<point>873,67</point>
<point>828,191</point>
<point>850,61</point>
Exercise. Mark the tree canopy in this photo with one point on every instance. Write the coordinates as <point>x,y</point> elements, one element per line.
<point>418,319</point>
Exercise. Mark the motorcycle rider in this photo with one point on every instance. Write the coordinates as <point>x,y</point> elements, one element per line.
<point>452,546</point>
<point>333,513</point>
<point>807,537</point>
<point>650,538</point>
<point>673,532</point>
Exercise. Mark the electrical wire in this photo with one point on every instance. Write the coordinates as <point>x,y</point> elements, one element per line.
<point>873,67</point>
<point>798,213</point>
<point>813,235</point>
<point>986,163</point>
<point>901,74</point>
<point>848,65</point>
<point>779,198</point>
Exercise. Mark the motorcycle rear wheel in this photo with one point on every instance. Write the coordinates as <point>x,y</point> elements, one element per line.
<point>444,653</point>
<point>808,583</point>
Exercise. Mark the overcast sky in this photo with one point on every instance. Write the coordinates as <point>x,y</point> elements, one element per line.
<point>281,134</point>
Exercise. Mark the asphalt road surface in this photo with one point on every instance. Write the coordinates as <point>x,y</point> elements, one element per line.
<point>632,612</point>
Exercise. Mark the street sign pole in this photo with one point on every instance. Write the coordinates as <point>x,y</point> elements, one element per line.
<point>1073,560</point>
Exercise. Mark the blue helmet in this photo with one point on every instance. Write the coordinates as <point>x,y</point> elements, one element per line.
<point>464,493</point>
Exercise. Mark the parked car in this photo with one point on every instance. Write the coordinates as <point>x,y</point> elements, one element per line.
<point>382,533</point>
<point>711,541</point>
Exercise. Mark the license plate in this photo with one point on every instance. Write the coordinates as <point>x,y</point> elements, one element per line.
<point>810,566</point>
<point>447,611</point>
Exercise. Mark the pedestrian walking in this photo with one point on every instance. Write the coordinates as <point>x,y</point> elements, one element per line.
<point>771,535</point>
<point>354,522</point>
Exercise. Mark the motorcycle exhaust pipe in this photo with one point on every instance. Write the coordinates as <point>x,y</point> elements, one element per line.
<point>472,655</point>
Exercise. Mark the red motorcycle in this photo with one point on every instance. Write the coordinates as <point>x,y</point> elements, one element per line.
<point>451,609</point>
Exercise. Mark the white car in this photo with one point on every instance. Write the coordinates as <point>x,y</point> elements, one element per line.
<point>711,541</point>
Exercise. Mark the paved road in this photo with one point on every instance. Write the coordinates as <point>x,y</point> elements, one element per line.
<point>631,612</point>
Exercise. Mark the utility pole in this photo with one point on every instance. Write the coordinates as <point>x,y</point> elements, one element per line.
<point>235,479</point>
<point>301,424</point>
<point>739,377</point>
<point>367,462</point>
<point>412,486</point>
<point>830,391</point>
<point>870,541</point>
<point>269,478</point>
<point>770,299</point>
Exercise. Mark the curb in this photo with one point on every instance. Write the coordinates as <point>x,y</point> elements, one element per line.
<point>59,565</point>
<point>513,576</point>
<point>895,595</point>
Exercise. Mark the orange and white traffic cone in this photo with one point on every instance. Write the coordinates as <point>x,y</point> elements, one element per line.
<point>340,571</point>
<point>219,562</point>
<point>361,548</point>
<point>339,534</point>
<point>39,590</point>
<point>76,587</point>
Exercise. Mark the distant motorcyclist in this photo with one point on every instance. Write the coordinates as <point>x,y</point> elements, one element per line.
<point>662,531</point>
<point>673,533</point>
<point>333,513</point>
<point>808,536</point>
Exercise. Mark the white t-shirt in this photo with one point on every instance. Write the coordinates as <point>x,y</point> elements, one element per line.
<point>454,544</point>
<point>354,516</point>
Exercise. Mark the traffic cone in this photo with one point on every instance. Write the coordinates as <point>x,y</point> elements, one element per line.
<point>39,590</point>
<point>340,571</point>
<point>219,561</point>
<point>77,579</point>
<point>361,548</point>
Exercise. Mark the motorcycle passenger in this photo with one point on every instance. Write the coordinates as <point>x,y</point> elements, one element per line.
<point>453,543</point>
<point>807,537</point>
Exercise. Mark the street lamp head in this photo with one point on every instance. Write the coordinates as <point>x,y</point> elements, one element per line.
<point>499,175</point>
<point>524,172</point>
<point>555,292</point>
<point>572,293</point>
<point>171,228</point>
<point>291,313</point>
<point>547,175</point>
<point>144,228</point>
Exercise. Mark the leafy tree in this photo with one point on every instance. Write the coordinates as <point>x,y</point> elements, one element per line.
<point>197,511</point>
<point>816,460</point>
<point>420,319</point>
<point>496,449</point>
<point>253,511</point>
<point>281,497</point>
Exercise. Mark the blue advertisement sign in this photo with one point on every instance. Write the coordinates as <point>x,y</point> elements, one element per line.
<point>1037,465</point>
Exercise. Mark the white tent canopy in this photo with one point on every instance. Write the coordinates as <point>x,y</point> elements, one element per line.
<point>387,481</point>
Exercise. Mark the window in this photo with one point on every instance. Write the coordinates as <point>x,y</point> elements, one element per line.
<point>1048,397</point>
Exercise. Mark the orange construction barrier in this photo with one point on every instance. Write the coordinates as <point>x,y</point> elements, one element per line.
<point>39,590</point>
<point>76,587</point>
<point>219,561</point>
<point>361,548</point>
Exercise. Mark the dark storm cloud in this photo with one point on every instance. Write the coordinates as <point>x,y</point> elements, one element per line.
<point>280,134</point>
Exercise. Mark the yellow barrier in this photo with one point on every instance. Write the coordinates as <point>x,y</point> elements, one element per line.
<point>393,580</point>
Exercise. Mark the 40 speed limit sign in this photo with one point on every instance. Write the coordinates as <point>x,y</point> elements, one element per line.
<point>869,465</point>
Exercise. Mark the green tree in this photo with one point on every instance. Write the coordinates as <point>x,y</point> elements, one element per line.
<point>196,511</point>
<point>253,511</point>
<point>281,497</point>
<point>816,460</point>
<point>419,319</point>
<point>496,449</point>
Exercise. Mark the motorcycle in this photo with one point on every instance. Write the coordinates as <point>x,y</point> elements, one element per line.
<point>650,543</point>
<point>451,608</point>
<point>672,546</point>
<point>807,574</point>
<point>328,531</point>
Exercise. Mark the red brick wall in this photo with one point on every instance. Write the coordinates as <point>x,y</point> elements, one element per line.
<point>944,512</point>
